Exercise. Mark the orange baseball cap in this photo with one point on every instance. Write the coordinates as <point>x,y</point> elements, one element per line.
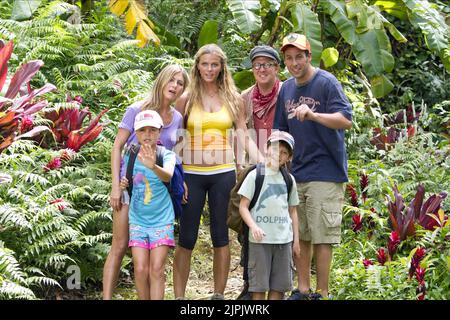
<point>297,40</point>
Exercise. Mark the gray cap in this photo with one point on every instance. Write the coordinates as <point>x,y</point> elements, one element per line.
<point>265,51</point>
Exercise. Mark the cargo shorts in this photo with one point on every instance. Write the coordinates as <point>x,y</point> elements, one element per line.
<point>320,211</point>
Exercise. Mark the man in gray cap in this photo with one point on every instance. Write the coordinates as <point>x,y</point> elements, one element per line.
<point>260,101</point>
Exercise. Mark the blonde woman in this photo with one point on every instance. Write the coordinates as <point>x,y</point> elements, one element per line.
<point>167,88</point>
<point>212,112</point>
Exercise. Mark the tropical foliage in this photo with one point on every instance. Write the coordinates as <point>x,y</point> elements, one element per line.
<point>68,70</point>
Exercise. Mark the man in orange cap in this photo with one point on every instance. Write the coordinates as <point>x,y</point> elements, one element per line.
<point>313,108</point>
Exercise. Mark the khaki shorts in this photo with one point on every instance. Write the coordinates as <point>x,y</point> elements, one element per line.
<point>320,211</point>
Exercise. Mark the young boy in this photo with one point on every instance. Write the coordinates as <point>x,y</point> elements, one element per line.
<point>272,222</point>
<point>151,215</point>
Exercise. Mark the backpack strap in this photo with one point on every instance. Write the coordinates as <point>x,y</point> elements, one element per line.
<point>258,184</point>
<point>160,162</point>
<point>287,178</point>
<point>133,152</point>
<point>159,156</point>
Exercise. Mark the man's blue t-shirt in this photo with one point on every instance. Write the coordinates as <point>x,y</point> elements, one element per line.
<point>150,204</point>
<point>319,153</point>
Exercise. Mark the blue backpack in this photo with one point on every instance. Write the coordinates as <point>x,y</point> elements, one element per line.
<point>174,186</point>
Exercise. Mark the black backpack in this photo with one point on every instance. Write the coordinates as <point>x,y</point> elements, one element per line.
<point>234,219</point>
<point>175,186</point>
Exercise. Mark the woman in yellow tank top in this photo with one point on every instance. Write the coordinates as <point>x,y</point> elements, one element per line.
<point>211,108</point>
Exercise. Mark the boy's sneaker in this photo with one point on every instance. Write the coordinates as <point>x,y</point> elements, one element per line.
<point>245,295</point>
<point>297,295</point>
<point>217,296</point>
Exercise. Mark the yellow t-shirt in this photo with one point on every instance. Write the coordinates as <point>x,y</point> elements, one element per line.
<point>207,149</point>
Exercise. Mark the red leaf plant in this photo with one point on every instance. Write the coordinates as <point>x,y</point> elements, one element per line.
<point>381,256</point>
<point>418,256</point>
<point>367,263</point>
<point>67,126</point>
<point>403,224</point>
<point>60,203</point>
<point>53,164</point>
<point>408,115</point>
<point>364,183</point>
<point>356,222</point>
<point>15,110</point>
<point>425,214</point>
<point>421,288</point>
<point>385,142</point>
<point>393,242</point>
<point>353,195</point>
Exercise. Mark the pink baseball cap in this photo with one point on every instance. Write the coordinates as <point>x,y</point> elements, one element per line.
<point>148,118</point>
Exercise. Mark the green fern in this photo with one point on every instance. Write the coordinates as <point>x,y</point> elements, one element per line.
<point>89,218</point>
<point>12,278</point>
<point>13,217</point>
<point>12,290</point>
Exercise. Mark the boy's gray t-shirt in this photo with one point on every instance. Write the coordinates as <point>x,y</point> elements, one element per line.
<point>271,211</point>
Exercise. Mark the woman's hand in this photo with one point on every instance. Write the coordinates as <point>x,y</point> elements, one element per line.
<point>185,195</point>
<point>114,198</point>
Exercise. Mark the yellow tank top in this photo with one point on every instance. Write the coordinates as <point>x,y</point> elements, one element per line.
<point>208,148</point>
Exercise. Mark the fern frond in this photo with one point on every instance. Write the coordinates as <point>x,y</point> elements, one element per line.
<point>47,224</point>
<point>122,46</point>
<point>16,194</point>
<point>22,146</point>
<point>31,178</point>
<point>42,281</point>
<point>9,267</point>
<point>100,197</point>
<point>56,190</point>
<point>57,8</point>
<point>55,260</point>
<point>52,240</point>
<point>93,239</point>
<point>15,158</point>
<point>12,290</point>
<point>89,218</point>
<point>60,81</point>
<point>13,216</point>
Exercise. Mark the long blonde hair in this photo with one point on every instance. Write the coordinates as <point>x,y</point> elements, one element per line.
<point>228,92</point>
<point>155,97</point>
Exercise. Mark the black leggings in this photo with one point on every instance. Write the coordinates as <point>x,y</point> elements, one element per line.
<point>218,187</point>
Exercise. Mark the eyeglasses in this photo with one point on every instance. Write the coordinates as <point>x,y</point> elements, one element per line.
<point>265,66</point>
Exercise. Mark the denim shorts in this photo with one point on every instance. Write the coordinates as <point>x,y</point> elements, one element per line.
<point>125,199</point>
<point>151,237</point>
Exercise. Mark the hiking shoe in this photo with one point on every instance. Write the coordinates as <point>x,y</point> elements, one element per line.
<point>315,296</point>
<point>217,296</point>
<point>297,295</point>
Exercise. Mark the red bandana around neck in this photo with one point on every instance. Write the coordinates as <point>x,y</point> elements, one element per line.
<point>263,103</point>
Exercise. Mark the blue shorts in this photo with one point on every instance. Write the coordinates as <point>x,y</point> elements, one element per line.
<point>151,237</point>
